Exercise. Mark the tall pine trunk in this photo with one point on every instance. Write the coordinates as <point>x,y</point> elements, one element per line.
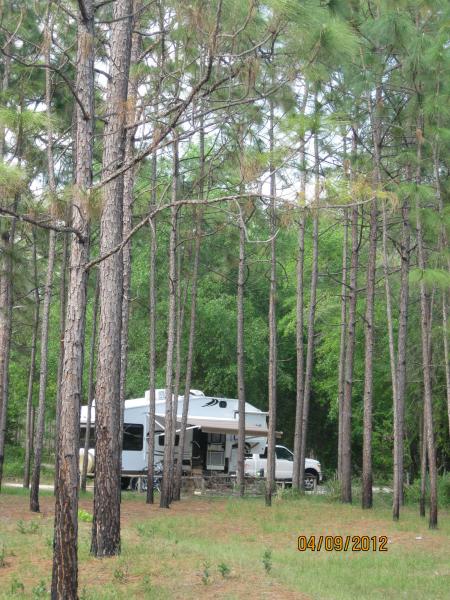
<point>300,375</point>
<point>193,319</point>
<point>399,408</point>
<point>300,360</point>
<point>311,314</point>
<point>171,325</point>
<point>369,324</point>
<point>423,464</point>
<point>152,335</point>
<point>65,562</point>
<point>425,321</point>
<point>106,520</point>
<point>181,306</point>
<point>190,356</point>
<point>40,426</point>
<point>342,342</point>
<point>128,189</point>
<point>152,276</point>
<point>272,383</point>
<point>62,328</point>
<point>6,302</point>
<point>91,385</point>
<point>368,362</point>
<point>241,358</point>
<point>29,424</point>
<point>346,462</point>
<point>427,385</point>
<point>7,237</point>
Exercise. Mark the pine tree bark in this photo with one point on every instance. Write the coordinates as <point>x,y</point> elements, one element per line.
<point>65,562</point>
<point>180,310</point>
<point>29,424</point>
<point>423,465</point>
<point>106,520</point>
<point>6,301</point>
<point>241,359</point>
<point>128,199</point>
<point>368,362</point>
<point>311,314</point>
<point>40,425</point>
<point>399,408</point>
<point>445,330</point>
<point>392,356</point>
<point>62,327</point>
<point>91,385</point>
<point>346,474</point>
<point>152,277</point>
<point>426,359</point>
<point>300,380</point>
<point>342,343</point>
<point>193,319</point>
<point>152,336</point>
<point>190,355</point>
<point>367,476</point>
<point>427,385</point>
<point>300,359</point>
<point>166,481</point>
<point>271,437</point>
<point>6,290</point>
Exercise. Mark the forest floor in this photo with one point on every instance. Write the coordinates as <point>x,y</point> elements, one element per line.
<point>231,548</point>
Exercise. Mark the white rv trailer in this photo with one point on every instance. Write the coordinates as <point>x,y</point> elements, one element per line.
<point>211,436</point>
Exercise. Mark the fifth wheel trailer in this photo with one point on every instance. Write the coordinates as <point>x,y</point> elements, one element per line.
<point>211,435</point>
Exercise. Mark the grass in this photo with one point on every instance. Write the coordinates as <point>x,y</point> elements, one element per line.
<point>14,465</point>
<point>232,548</point>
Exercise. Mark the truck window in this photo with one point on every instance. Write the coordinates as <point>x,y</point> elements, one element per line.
<point>284,454</point>
<point>133,436</point>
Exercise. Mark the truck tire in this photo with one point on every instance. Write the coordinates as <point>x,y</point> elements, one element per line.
<point>310,481</point>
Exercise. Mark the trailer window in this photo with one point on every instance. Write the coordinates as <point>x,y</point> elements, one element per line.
<point>133,436</point>
<point>161,440</point>
<point>83,437</point>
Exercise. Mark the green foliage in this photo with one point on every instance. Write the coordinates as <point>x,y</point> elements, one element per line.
<point>40,591</point>
<point>2,555</point>
<point>84,515</point>
<point>16,587</point>
<point>432,278</point>
<point>29,120</point>
<point>267,560</point>
<point>224,569</point>
<point>12,178</point>
<point>412,492</point>
<point>206,573</point>
<point>27,527</point>
<point>121,573</point>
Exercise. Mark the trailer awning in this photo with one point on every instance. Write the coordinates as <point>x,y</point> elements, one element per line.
<point>226,426</point>
<point>230,426</point>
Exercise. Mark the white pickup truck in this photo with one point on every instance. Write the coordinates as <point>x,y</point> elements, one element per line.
<point>256,466</point>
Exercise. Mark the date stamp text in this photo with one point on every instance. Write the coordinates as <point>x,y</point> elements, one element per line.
<point>339,543</point>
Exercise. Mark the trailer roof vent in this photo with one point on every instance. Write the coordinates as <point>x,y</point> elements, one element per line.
<point>223,404</point>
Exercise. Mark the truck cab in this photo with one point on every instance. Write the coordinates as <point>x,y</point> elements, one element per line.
<point>256,466</point>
